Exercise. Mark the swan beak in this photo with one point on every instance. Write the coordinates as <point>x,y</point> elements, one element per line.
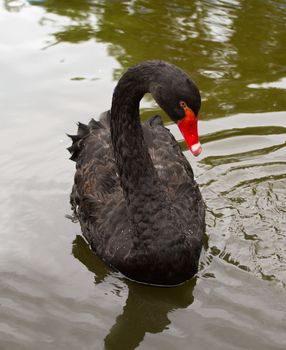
<point>189,129</point>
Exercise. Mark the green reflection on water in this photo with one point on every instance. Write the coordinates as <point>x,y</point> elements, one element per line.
<point>225,46</point>
<point>262,130</point>
<point>233,158</point>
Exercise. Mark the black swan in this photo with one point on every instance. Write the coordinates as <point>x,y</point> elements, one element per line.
<point>134,191</point>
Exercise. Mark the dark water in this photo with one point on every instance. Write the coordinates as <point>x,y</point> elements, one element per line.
<point>59,63</point>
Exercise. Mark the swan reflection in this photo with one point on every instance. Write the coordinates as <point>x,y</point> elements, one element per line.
<point>146,309</point>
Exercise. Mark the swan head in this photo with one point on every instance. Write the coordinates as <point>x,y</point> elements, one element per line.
<point>179,97</point>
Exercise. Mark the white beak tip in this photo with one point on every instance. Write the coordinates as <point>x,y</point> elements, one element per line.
<point>196,149</point>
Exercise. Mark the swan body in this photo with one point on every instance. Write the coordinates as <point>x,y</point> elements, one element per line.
<point>134,191</point>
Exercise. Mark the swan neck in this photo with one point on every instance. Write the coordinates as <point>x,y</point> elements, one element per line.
<point>134,163</point>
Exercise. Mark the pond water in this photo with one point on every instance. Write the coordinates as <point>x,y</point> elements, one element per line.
<point>59,63</point>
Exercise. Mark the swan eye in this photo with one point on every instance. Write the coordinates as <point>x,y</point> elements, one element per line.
<point>183,104</point>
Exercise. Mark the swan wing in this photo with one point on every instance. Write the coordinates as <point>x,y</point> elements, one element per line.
<point>172,166</point>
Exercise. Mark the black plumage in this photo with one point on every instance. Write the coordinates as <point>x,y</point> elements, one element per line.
<point>134,191</point>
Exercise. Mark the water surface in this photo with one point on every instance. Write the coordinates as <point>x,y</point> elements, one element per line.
<point>59,63</point>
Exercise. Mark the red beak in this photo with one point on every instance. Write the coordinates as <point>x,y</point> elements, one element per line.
<point>189,128</point>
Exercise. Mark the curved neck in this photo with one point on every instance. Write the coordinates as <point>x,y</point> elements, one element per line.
<point>135,167</point>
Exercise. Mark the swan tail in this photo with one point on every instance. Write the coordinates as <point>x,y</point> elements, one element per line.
<point>83,132</point>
